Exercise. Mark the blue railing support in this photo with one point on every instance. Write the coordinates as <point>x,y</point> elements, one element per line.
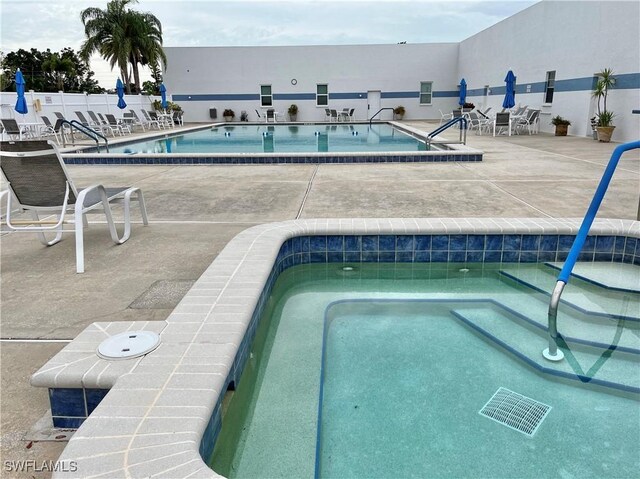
<point>463,129</point>
<point>90,132</point>
<point>552,353</point>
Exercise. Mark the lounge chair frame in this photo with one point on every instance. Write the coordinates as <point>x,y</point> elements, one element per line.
<point>41,193</point>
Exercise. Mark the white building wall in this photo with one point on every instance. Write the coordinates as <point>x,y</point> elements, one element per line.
<point>230,77</point>
<point>576,39</point>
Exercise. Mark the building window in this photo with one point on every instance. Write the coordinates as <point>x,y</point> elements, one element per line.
<point>266,98</point>
<point>322,94</point>
<point>549,87</point>
<point>425,92</point>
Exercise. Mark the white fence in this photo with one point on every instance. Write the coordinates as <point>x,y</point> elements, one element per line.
<point>46,104</point>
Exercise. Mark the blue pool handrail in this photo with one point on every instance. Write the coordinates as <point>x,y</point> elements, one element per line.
<point>552,353</point>
<point>454,121</point>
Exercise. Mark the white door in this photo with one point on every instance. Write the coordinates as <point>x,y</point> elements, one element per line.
<point>373,102</point>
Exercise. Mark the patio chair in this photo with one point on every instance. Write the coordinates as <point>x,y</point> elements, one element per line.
<point>49,129</point>
<point>137,120</point>
<point>334,115</point>
<point>327,114</point>
<point>179,120</point>
<point>11,128</point>
<point>476,122</point>
<point>501,121</point>
<point>153,116</point>
<point>529,123</point>
<point>343,115</point>
<point>117,124</point>
<point>271,115</point>
<point>148,121</point>
<point>59,115</point>
<point>97,123</point>
<point>444,117</point>
<point>38,179</point>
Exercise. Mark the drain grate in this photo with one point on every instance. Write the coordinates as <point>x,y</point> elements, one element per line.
<point>515,411</point>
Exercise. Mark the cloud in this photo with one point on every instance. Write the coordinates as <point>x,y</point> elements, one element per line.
<point>56,24</point>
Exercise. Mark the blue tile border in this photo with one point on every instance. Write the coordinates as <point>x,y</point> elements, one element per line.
<point>71,406</point>
<point>141,159</point>
<point>386,248</point>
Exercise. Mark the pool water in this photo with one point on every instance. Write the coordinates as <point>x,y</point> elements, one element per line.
<point>381,371</point>
<point>322,138</point>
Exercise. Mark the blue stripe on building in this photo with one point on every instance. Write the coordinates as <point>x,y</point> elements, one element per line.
<point>446,94</point>
<point>294,96</point>
<point>399,94</point>
<point>218,97</point>
<point>624,81</point>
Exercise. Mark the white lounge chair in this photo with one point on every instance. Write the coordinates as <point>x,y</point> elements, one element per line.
<point>38,180</point>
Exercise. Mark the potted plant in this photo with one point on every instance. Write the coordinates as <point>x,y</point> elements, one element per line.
<point>293,112</point>
<point>398,113</point>
<point>604,117</point>
<point>228,114</point>
<point>561,124</point>
<point>467,107</point>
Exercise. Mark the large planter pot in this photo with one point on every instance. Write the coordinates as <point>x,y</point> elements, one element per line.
<point>293,117</point>
<point>561,130</point>
<point>397,117</point>
<point>604,133</point>
<point>228,118</point>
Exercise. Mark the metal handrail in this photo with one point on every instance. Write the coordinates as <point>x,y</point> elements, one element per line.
<point>84,129</point>
<point>449,124</point>
<point>552,353</point>
<point>376,113</point>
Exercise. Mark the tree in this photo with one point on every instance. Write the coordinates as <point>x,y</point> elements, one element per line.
<point>59,67</point>
<point>153,87</point>
<point>49,71</point>
<point>123,37</point>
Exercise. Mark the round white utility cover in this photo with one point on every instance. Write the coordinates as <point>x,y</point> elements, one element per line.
<point>127,345</point>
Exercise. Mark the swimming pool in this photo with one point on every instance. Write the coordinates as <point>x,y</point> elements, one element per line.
<point>263,138</point>
<point>207,343</point>
<point>394,361</point>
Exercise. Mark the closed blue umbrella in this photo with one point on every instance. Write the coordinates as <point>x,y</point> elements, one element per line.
<point>120,90</point>
<point>510,94</point>
<point>463,92</point>
<point>163,94</point>
<point>21,104</point>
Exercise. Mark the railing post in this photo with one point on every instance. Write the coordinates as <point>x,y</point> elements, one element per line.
<point>578,243</point>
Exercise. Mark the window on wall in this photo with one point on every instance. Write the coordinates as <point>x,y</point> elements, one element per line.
<point>549,87</point>
<point>322,94</point>
<point>426,92</point>
<point>266,98</point>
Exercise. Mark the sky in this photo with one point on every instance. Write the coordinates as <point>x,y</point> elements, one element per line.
<point>55,24</point>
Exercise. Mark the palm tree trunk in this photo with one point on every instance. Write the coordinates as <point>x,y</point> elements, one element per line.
<point>136,75</point>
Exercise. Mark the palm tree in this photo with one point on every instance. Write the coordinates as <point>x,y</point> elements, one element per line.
<point>59,67</point>
<point>122,36</point>
<point>146,44</point>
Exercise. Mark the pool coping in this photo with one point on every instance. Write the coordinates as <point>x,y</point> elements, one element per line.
<point>153,420</point>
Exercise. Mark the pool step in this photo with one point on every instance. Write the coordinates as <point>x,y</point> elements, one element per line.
<point>583,296</point>
<point>596,363</point>
<point>615,276</point>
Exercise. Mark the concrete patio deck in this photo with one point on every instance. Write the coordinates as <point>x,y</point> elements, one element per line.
<point>195,210</point>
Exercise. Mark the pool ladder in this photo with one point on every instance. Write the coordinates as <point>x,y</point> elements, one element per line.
<point>463,131</point>
<point>552,353</point>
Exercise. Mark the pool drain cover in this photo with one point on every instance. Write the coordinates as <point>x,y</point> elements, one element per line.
<point>515,411</point>
<point>127,345</point>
